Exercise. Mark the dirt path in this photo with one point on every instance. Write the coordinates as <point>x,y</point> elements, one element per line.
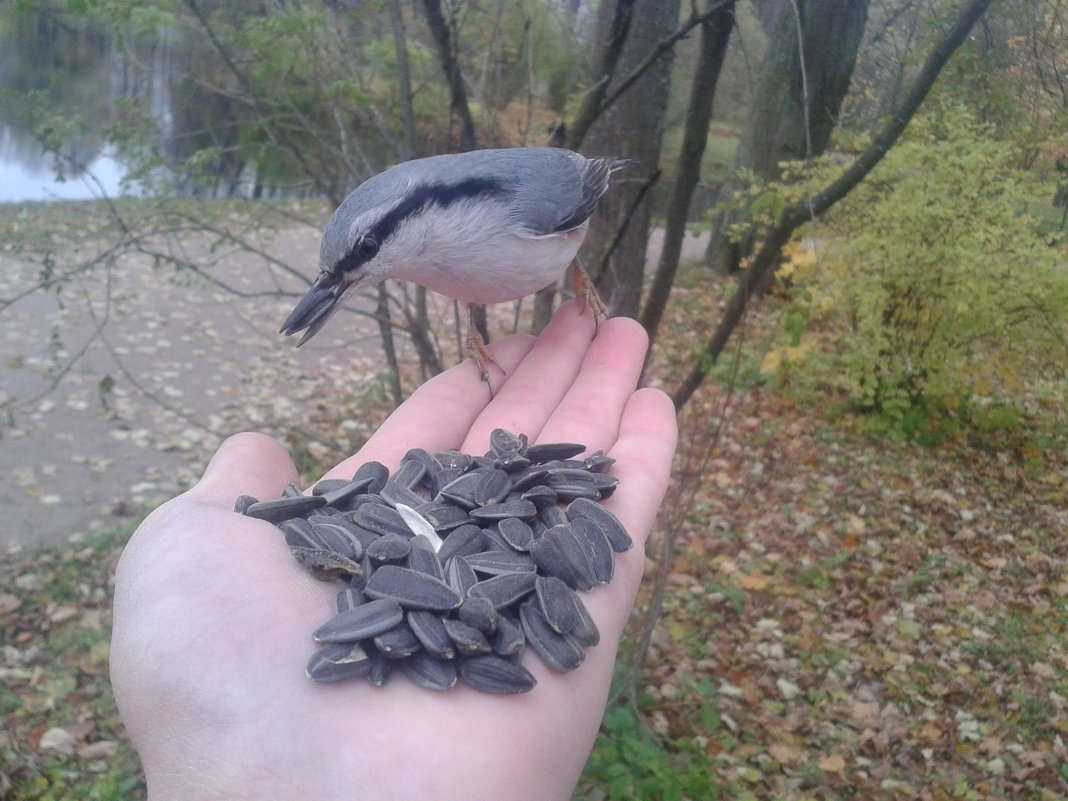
<point>188,363</point>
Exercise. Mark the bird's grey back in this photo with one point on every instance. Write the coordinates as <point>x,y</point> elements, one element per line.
<point>543,190</point>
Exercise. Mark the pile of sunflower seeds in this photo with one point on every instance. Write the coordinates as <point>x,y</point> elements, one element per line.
<point>453,564</point>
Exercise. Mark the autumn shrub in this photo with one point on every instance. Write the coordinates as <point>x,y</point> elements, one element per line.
<point>933,286</point>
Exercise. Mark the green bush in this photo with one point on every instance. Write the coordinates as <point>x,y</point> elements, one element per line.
<point>936,285</point>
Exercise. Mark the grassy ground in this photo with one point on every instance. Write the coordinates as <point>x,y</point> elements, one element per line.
<point>846,616</point>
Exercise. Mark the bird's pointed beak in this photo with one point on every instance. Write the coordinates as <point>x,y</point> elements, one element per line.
<point>314,309</point>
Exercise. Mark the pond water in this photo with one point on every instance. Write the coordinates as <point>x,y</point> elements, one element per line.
<point>24,178</point>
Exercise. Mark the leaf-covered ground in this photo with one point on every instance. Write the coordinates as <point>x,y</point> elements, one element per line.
<point>846,617</point>
<point>866,619</point>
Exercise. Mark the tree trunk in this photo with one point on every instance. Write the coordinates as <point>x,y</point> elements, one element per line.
<point>715,32</point>
<point>794,216</point>
<point>805,77</point>
<point>632,128</point>
<point>439,29</point>
<point>404,80</point>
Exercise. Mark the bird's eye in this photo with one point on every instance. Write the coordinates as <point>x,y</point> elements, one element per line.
<point>366,249</point>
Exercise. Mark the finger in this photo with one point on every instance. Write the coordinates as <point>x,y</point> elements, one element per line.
<point>590,411</point>
<point>245,464</point>
<point>643,451</point>
<point>438,414</point>
<point>540,381</point>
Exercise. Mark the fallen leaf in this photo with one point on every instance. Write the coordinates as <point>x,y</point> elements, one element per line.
<point>832,763</point>
<point>753,581</point>
<point>785,754</point>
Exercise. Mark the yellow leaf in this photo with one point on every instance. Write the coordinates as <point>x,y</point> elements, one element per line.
<point>785,754</point>
<point>771,362</point>
<point>832,763</point>
<point>753,581</point>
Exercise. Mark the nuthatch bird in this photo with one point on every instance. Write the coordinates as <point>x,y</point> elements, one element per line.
<point>481,227</point>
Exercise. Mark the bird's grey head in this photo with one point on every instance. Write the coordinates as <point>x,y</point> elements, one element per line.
<point>372,233</point>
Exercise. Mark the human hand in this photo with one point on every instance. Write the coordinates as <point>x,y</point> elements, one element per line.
<point>213,616</point>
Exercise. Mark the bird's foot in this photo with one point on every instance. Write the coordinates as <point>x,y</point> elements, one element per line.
<point>476,349</point>
<point>582,286</point>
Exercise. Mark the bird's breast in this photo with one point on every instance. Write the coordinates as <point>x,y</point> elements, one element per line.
<point>474,268</point>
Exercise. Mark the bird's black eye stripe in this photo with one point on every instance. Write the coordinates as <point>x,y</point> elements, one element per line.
<point>418,198</point>
<point>442,195</point>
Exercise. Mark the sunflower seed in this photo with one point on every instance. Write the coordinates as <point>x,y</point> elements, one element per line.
<point>544,452</point>
<point>381,667</point>
<point>411,589</point>
<point>291,491</point>
<point>397,643</point>
<point>286,508</point>
<point>243,502</point>
<point>337,539</point>
<point>454,460</point>
<point>500,511</point>
<point>396,494</point>
<point>555,601</point>
<point>408,474</point>
<point>389,548</point>
<point>469,640</point>
<point>512,463</point>
<point>549,559</point>
<point>605,484</point>
<point>340,495</point>
<point>433,471</point>
<point>444,516</point>
<point>531,477</point>
<point>595,544</point>
<point>325,565</point>
<point>509,638</point>
<point>338,662</point>
<point>462,541</point>
<point>558,553</point>
<point>561,652</point>
<point>430,631</point>
<point>479,613</point>
<point>617,536</point>
<point>340,533</point>
<point>541,496</point>
<point>598,462</point>
<point>552,516</point>
<point>425,560</point>
<point>493,674</point>
<point>567,491</point>
<point>376,471</point>
<point>505,589</point>
<point>505,443</point>
<point>361,622</point>
<point>349,598</point>
<point>381,519</point>
<point>300,534</point>
<point>516,533</point>
<point>426,671</point>
<point>585,631</point>
<point>492,487</point>
<point>459,575</point>
<point>494,563</point>
<point>327,484</point>
<point>494,541</point>
<point>461,491</point>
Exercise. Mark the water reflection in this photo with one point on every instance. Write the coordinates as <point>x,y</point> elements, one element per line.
<point>53,69</point>
<point>66,81</point>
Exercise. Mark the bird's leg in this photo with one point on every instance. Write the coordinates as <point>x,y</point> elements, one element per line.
<point>582,286</point>
<point>476,348</point>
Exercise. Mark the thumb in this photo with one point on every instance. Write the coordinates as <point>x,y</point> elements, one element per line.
<point>245,464</point>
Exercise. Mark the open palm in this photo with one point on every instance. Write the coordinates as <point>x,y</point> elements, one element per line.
<point>213,617</point>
